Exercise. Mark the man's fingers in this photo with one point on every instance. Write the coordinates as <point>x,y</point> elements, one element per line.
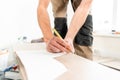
<point>53,49</point>
<point>62,45</point>
<point>53,46</point>
<point>58,45</point>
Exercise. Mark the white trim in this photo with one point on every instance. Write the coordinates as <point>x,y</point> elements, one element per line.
<point>115,7</point>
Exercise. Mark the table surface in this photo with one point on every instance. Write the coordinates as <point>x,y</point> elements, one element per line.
<point>79,68</point>
<point>82,69</point>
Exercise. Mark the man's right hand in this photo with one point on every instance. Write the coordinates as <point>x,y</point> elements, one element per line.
<point>56,45</point>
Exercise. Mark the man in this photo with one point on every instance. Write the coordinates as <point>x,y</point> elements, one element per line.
<point>79,32</point>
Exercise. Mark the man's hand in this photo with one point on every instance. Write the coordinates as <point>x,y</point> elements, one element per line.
<point>57,45</point>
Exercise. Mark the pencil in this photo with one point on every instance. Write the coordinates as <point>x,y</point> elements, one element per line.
<point>55,31</point>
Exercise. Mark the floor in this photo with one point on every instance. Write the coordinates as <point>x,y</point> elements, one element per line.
<point>109,62</point>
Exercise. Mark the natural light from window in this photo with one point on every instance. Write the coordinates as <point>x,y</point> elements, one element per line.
<point>102,11</point>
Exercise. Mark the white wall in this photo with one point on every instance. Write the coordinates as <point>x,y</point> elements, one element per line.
<point>18,18</point>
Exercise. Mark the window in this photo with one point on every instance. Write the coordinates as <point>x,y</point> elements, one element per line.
<point>118,16</point>
<point>105,15</point>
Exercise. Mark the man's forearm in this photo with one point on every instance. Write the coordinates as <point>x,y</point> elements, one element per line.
<point>78,18</point>
<point>44,22</point>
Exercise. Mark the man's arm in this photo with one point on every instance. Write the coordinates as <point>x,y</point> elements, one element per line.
<point>54,44</point>
<point>78,19</point>
<point>44,20</point>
